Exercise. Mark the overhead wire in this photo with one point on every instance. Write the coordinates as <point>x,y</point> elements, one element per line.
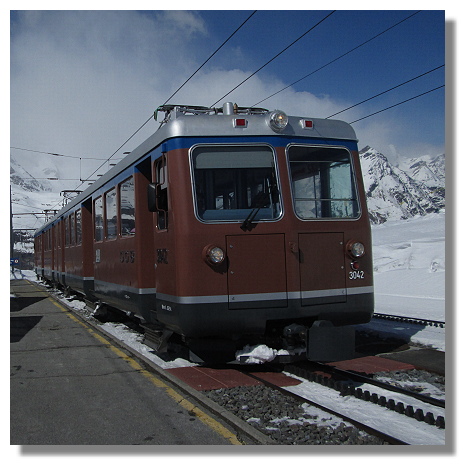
<point>57,154</point>
<point>210,57</point>
<point>275,57</point>
<point>138,130</point>
<point>398,104</point>
<point>170,97</point>
<point>339,57</point>
<point>386,91</point>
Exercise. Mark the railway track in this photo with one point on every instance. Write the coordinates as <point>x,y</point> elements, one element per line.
<point>302,429</point>
<point>336,411</point>
<point>350,383</point>
<point>411,320</point>
<point>372,417</point>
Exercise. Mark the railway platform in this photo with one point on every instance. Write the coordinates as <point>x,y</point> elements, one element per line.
<point>70,386</point>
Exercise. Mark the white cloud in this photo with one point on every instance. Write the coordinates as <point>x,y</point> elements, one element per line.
<point>83,81</point>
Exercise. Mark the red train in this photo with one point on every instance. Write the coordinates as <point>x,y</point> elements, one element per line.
<point>227,227</point>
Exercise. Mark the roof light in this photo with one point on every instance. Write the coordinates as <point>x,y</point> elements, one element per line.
<point>239,122</point>
<point>306,123</point>
<point>278,120</point>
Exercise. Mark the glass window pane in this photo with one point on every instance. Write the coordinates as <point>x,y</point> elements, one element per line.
<point>323,184</point>
<point>72,229</point>
<point>232,181</point>
<point>98,219</point>
<point>78,222</point>
<point>67,232</point>
<point>127,208</point>
<point>111,214</point>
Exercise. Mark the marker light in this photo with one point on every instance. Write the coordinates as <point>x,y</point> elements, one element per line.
<point>355,265</point>
<point>355,249</point>
<point>213,254</point>
<point>278,120</point>
<point>239,122</point>
<point>307,123</point>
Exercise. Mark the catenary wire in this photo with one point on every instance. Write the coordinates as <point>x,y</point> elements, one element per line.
<point>107,160</point>
<point>170,97</point>
<point>210,57</point>
<point>386,91</point>
<point>277,55</point>
<point>398,104</point>
<point>57,154</point>
<point>116,151</point>
<point>337,58</point>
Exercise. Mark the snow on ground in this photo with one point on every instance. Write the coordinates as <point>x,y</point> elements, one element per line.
<point>409,277</point>
<point>409,267</point>
<point>390,422</point>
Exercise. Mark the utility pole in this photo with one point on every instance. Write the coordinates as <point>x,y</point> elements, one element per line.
<point>12,243</point>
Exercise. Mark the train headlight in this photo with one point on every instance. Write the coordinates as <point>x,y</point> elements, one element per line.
<point>214,255</point>
<point>278,120</point>
<point>355,249</point>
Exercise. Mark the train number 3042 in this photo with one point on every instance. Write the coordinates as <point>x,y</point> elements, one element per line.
<point>356,274</point>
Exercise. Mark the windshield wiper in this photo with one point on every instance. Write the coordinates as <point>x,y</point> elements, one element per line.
<point>261,202</point>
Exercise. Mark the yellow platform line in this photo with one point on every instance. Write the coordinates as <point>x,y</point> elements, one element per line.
<point>172,393</point>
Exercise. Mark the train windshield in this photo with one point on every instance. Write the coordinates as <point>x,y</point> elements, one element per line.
<point>323,183</point>
<point>230,181</point>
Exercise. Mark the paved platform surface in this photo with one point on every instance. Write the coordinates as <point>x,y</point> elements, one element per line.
<point>68,386</point>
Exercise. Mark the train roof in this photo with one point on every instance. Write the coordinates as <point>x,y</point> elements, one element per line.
<point>230,120</point>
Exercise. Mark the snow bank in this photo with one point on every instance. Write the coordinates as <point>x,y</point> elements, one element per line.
<point>409,267</point>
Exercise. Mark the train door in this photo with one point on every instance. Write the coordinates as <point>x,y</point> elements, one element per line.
<point>322,272</point>
<point>324,192</point>
<point>257,271</point>
<point>158,204</point>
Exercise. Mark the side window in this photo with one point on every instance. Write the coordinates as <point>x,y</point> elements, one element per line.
<point>72,229</point>
<point>127,206</point>
<point>98,217</point>
<point>78,223</point>
<point>111,214</point>
<point>162,193</point>
<point>67,231</point>
<point>57,235</point>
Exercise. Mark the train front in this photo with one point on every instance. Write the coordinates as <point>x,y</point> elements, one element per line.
<point>268,237</point>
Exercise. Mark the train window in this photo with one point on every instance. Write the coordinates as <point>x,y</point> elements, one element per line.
<point>127,207</point>
<point>72,229</point>
<point>98,211</point>
<point>57,235</point>
<point>162,193</point>
<point>230,181</point>
<point>111,213</point>
<point>323,184</point>
<point>78,223</point>
<point>67,231</point>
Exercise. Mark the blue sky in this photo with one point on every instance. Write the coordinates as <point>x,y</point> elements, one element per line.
<point>83,81</point>
<point>409,49</point>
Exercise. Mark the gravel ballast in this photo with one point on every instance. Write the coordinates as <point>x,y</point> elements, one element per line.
<point>287,421</point>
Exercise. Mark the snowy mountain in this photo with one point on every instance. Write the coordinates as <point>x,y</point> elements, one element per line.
<point>427,169</point>
<point>31,198</point>
<point>393,193</point>
<point>20,177</point>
